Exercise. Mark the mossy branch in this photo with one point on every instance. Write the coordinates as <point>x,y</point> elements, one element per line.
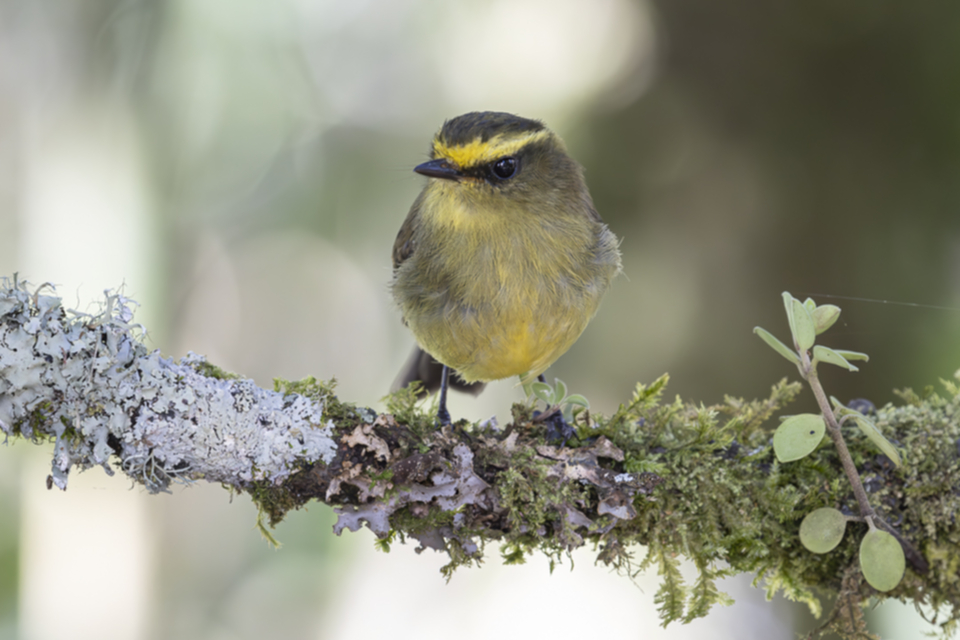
<point>678,478</point>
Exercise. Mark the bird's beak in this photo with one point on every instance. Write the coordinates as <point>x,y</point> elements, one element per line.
<point>439,168</point>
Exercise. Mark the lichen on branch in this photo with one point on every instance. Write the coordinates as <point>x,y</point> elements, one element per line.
<point>88,383</point>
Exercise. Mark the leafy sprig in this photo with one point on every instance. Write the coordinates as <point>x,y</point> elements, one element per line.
<point>556,397</point>
<point>882,557</point>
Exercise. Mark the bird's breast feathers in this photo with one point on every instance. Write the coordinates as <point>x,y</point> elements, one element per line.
<point>507,298</point>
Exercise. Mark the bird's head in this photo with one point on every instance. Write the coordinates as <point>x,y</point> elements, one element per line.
<point>498,157</point>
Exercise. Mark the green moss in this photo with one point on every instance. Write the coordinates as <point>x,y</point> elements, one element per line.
<point>272,501</point>
<point>210,370</point>
<point>459,557</point>
<point>514,553</point>
<point>924,496</point>
<point>383,476</point>
<point>702,510</point>
<point>408,409</point>
<point>383,544</point>
<point>345,415</point>
<point>434,518</point>
<point>725,503</point>
<point>532,499</point>
<point>38,421</point>
<point>725,499</point>
<point>521,491</point>
<point>708,507</point>
<point>316,390</point>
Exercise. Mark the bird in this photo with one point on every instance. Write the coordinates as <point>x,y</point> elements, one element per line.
<point>502,259</point>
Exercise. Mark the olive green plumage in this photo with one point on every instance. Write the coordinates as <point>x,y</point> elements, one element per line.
<point>502,260</point>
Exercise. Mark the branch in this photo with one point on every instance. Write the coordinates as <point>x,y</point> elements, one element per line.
<point>90,384</point>
<point>678,478</point>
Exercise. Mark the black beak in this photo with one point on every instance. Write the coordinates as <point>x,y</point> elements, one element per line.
<point>439,168</point>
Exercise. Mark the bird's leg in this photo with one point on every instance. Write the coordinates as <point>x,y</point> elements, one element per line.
<point>559,430</point>
<point>442,414</point>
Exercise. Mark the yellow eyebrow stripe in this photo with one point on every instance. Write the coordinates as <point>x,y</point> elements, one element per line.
<point>476,152</point>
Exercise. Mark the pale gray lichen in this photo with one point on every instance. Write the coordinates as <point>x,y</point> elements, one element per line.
<point>88,382</point>
<point>452,489</point>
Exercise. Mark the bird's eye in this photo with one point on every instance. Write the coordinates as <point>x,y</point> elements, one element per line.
<point>505,168</point>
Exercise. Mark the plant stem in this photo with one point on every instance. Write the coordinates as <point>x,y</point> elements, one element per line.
<point>867,513</point>
<point>833,428</point>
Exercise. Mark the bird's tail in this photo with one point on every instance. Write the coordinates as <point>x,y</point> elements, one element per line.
<point>423,367</point>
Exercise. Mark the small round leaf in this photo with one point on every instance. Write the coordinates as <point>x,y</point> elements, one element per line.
<point>543,391</point>
<point>559,390</point>
<point>822,529</point>
<point>824,316</point>
<point>881,560</point>
<point>798,436</point>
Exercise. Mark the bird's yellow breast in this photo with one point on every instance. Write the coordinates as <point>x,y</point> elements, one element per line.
<point>497,291</point>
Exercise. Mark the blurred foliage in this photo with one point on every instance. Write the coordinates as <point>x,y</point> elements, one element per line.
<point>811,147</point>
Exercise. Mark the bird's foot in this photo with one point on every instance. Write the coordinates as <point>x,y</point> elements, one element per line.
<point>443,416</point>
<point>559,431</point>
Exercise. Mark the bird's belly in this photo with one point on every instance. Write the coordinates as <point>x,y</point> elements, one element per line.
<point>499,306</point>
<point>490,343</point>
<point>518,349</point>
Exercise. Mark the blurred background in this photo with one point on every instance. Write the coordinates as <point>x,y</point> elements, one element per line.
<point>240,168</point>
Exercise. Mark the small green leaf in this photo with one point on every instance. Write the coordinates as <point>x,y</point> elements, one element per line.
<point>527,385</point>
<point>852,355</point>
<point>576,398</point>
<point>810,305</point>
<point>881,560</point>
<point>559,390</point>
<point>798,436</point>
<point>824,316</point>
<point>870,430</point>
<point>805,334</point>
<point>777,346</point>
<point>543,391</point>
<point>788,301</point>
<point>825,354</point>
<point>822,529</point>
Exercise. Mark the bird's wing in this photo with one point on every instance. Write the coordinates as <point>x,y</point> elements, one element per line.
<point>404,245</point>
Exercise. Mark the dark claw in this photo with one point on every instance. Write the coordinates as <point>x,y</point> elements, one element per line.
<point>558,429</point>
<point>862,405</point>
<point>443,416</point>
